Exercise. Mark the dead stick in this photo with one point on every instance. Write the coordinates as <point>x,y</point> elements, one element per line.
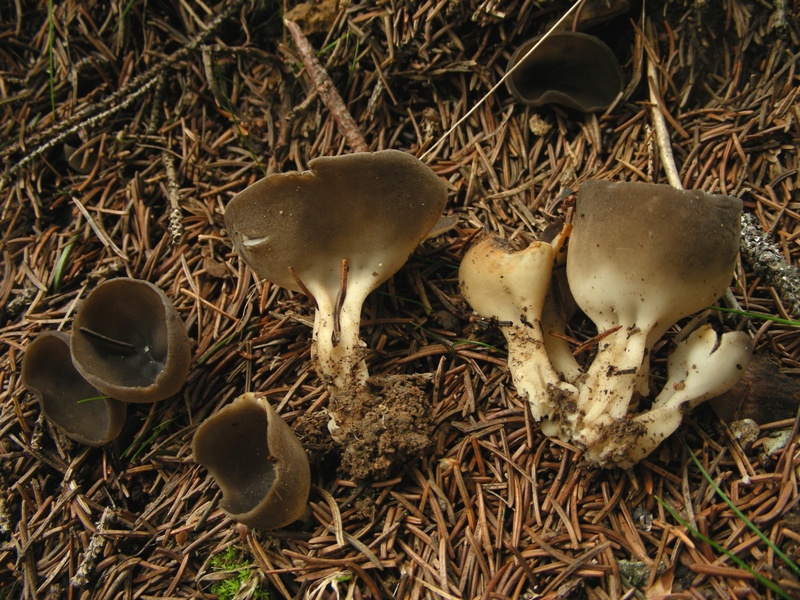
<point>174,195</point>
<point>768,262</point>
<point>662,133</point>
<point>340,296</point>
<point>327,91</point>
<point>93,551</point>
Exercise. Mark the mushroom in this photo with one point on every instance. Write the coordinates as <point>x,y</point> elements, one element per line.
<point>257,461</point>
<point>335,233</point>
<point>703,366</point>
<point>512,287</point>
<point>570,68</point>
<point>68,401</point>
<point>129,342</point>
<point>641,257</point>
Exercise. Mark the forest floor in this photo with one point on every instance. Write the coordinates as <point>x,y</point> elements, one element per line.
<point>127,126</point>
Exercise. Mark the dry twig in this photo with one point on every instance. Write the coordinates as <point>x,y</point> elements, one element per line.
<point>326,90</point>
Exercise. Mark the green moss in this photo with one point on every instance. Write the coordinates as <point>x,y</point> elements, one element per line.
<point>233,561</point>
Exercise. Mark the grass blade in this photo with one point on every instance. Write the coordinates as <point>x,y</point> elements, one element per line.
<point>790,563</point>
<point>771,585</point>
<point>756,315</point>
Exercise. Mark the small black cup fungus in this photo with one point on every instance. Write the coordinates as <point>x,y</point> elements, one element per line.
<point>569,68</point>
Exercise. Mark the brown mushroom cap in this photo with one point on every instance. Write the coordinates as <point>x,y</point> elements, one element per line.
<point>569,68</point>
<point>257,461</point>
<point>48,372</point>
<point>130,343</point>
<point>372,208</point>
<point>645,254</point>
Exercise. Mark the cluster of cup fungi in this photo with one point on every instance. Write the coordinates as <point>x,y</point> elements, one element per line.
<point>128,345</point>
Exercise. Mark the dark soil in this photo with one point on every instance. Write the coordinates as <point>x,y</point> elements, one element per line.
<point>384,427</point>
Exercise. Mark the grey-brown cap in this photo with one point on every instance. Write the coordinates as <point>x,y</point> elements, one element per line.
<point>371,208</point>
<point>130,343</point>
<point>569,68</point>
<point>257,461</point>
<point>69,401</point>
<point>641,248</point>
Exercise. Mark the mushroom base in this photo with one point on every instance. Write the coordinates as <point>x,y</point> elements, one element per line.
<point>380,426</point>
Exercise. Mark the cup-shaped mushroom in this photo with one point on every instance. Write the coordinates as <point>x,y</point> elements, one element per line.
<point>641,257</point>
<point>130,343</point>
<point>569,68</point>
<point>512,287</point>
<point>339,229</point>
<point>68,401</point>
<point>257,461</point>
<point>650,254</point>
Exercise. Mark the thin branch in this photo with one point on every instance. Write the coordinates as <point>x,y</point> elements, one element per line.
<point>340,296</point>
<point>660,123</point>
<point>326,90</point>
<point>768,262</point>
<point>174,195</point>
